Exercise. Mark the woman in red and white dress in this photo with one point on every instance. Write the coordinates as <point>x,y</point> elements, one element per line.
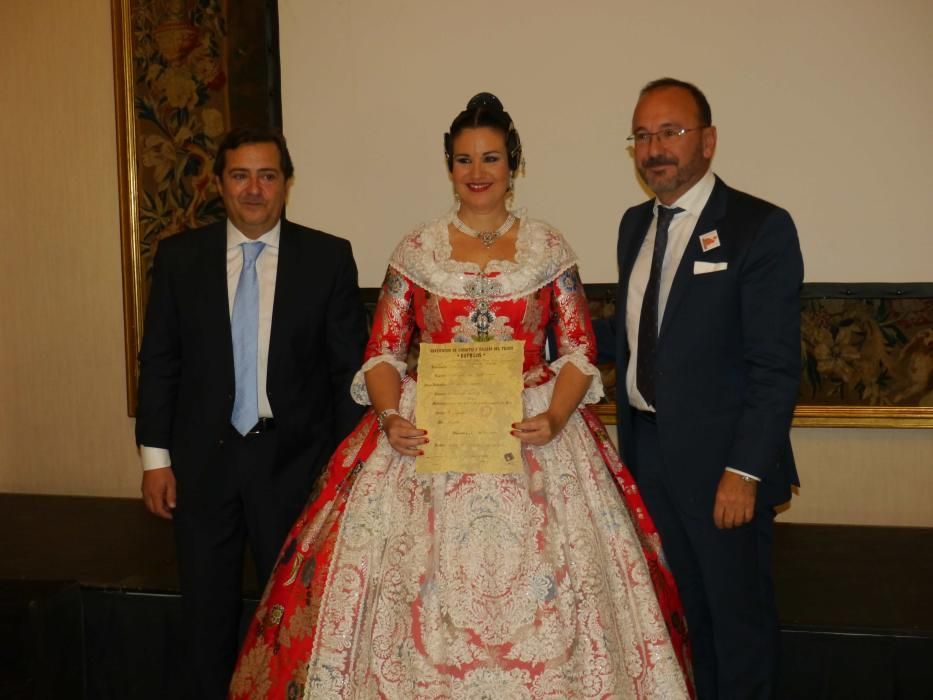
<point>548,583</point>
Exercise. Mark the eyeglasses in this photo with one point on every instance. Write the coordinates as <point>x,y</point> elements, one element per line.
<point>665,136</point>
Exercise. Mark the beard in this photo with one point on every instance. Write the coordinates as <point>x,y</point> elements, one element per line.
<point>679,179</point>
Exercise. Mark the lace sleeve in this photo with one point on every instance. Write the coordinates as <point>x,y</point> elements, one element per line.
<point>393,322</point>
<point>576,342</point>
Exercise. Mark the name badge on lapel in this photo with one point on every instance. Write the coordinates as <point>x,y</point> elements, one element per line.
<point>708,241</point>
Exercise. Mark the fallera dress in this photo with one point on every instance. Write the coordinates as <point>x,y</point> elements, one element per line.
<point>548,583</point>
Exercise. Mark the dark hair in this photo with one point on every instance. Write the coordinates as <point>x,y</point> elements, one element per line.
<point>703,109</point>
<point>253,134</point>
<point>485,110</point>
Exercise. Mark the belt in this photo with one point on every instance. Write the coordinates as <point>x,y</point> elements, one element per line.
<point>647,416</point>
<point>262,425</point>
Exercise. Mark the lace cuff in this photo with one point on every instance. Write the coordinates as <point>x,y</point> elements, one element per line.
<point>358,391</point>
<point>578,360</point>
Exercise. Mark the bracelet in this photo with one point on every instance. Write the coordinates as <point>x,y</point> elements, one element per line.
<point>382,415</point>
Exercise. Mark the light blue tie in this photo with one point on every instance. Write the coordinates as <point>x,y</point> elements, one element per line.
<point>244,325</point>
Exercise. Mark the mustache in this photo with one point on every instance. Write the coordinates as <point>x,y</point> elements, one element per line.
<point>655,161</point>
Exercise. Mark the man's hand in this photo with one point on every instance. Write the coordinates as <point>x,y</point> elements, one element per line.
<point>735,501</point>
<point>159,491</point>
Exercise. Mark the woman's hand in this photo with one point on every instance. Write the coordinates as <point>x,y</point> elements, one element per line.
<point>539,429</point>
<point>404,437</point>
<point>569,389</point>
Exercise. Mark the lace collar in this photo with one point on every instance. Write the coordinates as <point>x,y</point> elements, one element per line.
<point>541,254</point>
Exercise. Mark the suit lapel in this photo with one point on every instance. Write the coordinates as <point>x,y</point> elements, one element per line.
<point>633,239</point>
<point>630,242</point>
<point>285,299</point>
<point>216,303</point>
<point>712,213</point>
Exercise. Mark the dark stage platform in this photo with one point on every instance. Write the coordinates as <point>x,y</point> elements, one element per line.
<point>89,606</point>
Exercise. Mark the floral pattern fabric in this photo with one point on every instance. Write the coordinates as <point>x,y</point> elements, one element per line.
<point>549,583</point>
<point>875,351</point>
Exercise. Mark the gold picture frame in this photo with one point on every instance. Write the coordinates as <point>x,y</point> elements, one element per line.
<point>867,352</point>
<point>178,88</point>
<point>133,305</point>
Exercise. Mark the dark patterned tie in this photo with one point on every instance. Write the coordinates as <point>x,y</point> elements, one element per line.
<point>648,323</point>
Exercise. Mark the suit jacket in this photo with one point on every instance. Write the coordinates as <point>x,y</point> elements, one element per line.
<point>728,352</point>
<point>186,381</point>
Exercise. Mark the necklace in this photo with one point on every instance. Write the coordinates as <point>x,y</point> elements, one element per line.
<point>487,238</point>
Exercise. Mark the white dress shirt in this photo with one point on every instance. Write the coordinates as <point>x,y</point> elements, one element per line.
<point>266,267</point>
<point>678,235</point>
<point>681,230</point>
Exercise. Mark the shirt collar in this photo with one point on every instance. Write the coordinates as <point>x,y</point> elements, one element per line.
<point>694,200</point>
<point>235,237</point>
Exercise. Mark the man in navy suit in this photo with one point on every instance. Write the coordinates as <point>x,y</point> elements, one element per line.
<point>708,357</point>
<point>254,330</point>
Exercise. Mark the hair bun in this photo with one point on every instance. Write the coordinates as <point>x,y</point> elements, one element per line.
<point>485,99</point>
<point>485,111</point>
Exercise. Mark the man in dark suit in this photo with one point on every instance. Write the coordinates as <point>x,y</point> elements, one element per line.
<point>253,332</point>
<point>708,358</point>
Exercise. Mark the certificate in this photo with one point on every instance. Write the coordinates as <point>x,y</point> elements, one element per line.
<point>469,394</point>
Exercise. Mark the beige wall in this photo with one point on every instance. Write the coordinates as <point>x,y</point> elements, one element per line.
<point>824,107</point>
<point>63,423</point>
<point>861,476</point>
<point>836,99</point>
